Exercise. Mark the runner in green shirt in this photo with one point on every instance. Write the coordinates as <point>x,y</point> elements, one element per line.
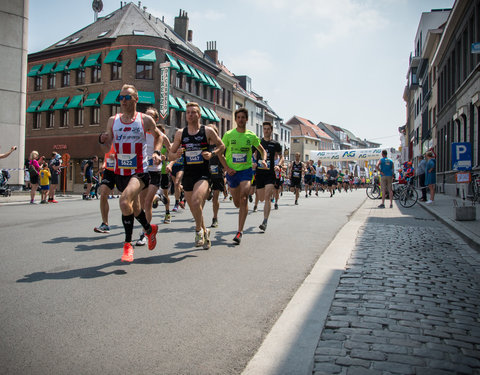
<point>238,164</point>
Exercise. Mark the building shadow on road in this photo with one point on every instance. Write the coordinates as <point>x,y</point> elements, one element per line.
<point>98,271</point>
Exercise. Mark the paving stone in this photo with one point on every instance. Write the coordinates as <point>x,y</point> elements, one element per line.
<point>333,336</point>
<point>357,370</point>
<point>328,368</point>
<point>467,338</point>
<point>393,368</point>
<point>336,324</point>
<point>449,366</point>
<point>459,344</point>
<point>348,344</point>
<point>330,344</point>
<point>429,353</point>
<point>388,348</point>
<point>368,354</point>
<point>325,358</point>
<point>431,371</point>
<point>330,351</point>
<point>369,339</point>
<point>348,361</point>
<point>406,359</point>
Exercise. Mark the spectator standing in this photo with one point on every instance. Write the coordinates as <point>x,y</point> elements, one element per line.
<point>421,177</point>
<point>385,167</point>
<point>430,175</point>
<point>44,177</point>
<point>34,170</point>
<point>55,170</point>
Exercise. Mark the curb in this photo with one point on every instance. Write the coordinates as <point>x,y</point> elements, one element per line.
<point>289,347</point>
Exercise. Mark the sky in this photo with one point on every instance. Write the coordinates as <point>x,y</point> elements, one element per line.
<point>342,62</point>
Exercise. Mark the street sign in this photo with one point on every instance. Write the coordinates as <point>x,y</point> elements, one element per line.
<point>463,177</point>
<point>475,47</point>
<point>461,156</point>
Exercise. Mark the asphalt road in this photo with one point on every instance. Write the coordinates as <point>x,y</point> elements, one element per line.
<point>68,305</point>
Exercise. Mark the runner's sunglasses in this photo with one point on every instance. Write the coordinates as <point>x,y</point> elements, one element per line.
<point>126,97</point>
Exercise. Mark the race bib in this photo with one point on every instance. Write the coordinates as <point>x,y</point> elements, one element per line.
<point>239,158</point>
<point>194,157</point>
<point>260,166</point>
<point>296,174</point>
<point>214,169</point>
<point>127,161</point>
<point>110,163</point>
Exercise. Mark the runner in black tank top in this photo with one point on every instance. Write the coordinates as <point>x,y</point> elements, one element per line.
<point>195,166</point>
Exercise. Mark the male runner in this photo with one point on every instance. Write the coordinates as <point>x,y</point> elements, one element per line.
<point>217,182</point>
<point>266,175</point>
<point>127,131</point>
<point>296,170</point>
<point>192,142</point>
<point>309,177</point>
<point>319,177</point>
<point>332,175</point>
<point>88,174</point>
<point>106,189</point>
<point>154,170</point>
<point>238,164</point>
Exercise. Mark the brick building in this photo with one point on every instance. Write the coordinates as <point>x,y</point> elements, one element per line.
<point>73,85</point>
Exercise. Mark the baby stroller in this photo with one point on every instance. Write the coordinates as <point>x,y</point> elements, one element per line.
<point>4,189</point>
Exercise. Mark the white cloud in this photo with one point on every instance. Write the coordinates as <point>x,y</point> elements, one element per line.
<point>251,62</point>
<point>329,20</point>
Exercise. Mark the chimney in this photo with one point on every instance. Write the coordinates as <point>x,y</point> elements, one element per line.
<point>181,24</point>
<point>190,35</point>
<point>212,51</point>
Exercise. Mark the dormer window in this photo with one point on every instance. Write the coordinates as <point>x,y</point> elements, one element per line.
<point>138,32</point>
<point>75,40</point>
<point>63,42</point>
<point>103,34</point>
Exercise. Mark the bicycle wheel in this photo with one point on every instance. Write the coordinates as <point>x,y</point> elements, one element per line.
<point>397,190</point>
<point>408,197</point>
<point>373,191</point>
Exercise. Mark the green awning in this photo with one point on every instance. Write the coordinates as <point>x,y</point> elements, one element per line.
<point>60,104</point>
<point>91,100</point>
<point>111,98</point>
<point>213,114</point>
<point>147,55</point>
<point>46,105</point>
<point>184,68</point>
<point>47,68</point>
<point>183,105</point>
<point>92,60</point>
<point>112,57</point>
<point>76,63</point>
<point>173,62</point>
<point>61,66</point>
<point>172,103</point>
<point>217,86</point>
<point>209,79</point>
<point>33,106</point>
<point>34,71</point>
<point>146,97</point>
<point>195,73</point>
<point>203,79</point>
<point>209,114</point>
<point>75,102</point>
<point>204,114</point>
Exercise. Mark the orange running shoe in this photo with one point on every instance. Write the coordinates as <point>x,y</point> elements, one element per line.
<point>152,239</point>
<point>127,252</point>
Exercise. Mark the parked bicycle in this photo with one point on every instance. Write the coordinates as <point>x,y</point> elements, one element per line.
<point>406,193</point>
<point>475,188</point>
<point>373,190</point>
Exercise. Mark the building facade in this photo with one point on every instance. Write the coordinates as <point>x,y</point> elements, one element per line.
<point>73,85</point>
<point>13,85</point>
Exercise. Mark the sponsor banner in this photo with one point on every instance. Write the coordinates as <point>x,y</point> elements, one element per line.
<point>347,155</point>
<point>164,89</point>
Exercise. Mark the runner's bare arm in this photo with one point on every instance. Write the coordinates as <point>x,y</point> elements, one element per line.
<point>263,154</point>
<point>106,139</point>
<point>213,139</point>
<point>175,150</point>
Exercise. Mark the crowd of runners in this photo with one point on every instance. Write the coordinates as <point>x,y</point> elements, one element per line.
<point>147,169</point>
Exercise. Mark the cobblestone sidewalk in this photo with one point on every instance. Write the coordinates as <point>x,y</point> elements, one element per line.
<point>408,303</point>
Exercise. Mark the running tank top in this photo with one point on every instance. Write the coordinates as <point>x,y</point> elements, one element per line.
<point>297,170</point>
<point>150,148</point>
<point>130,145</point>
<point>194,146</point>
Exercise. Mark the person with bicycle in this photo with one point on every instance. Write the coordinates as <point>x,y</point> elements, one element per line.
<point>385,167</point>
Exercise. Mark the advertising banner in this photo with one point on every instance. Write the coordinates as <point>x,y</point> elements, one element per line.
<point>347,155</point>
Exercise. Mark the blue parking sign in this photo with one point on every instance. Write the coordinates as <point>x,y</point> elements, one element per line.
<point>461,156</point>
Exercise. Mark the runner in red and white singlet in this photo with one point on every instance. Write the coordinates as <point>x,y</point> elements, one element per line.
<point>127,132</point>
<point>130,145</point>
